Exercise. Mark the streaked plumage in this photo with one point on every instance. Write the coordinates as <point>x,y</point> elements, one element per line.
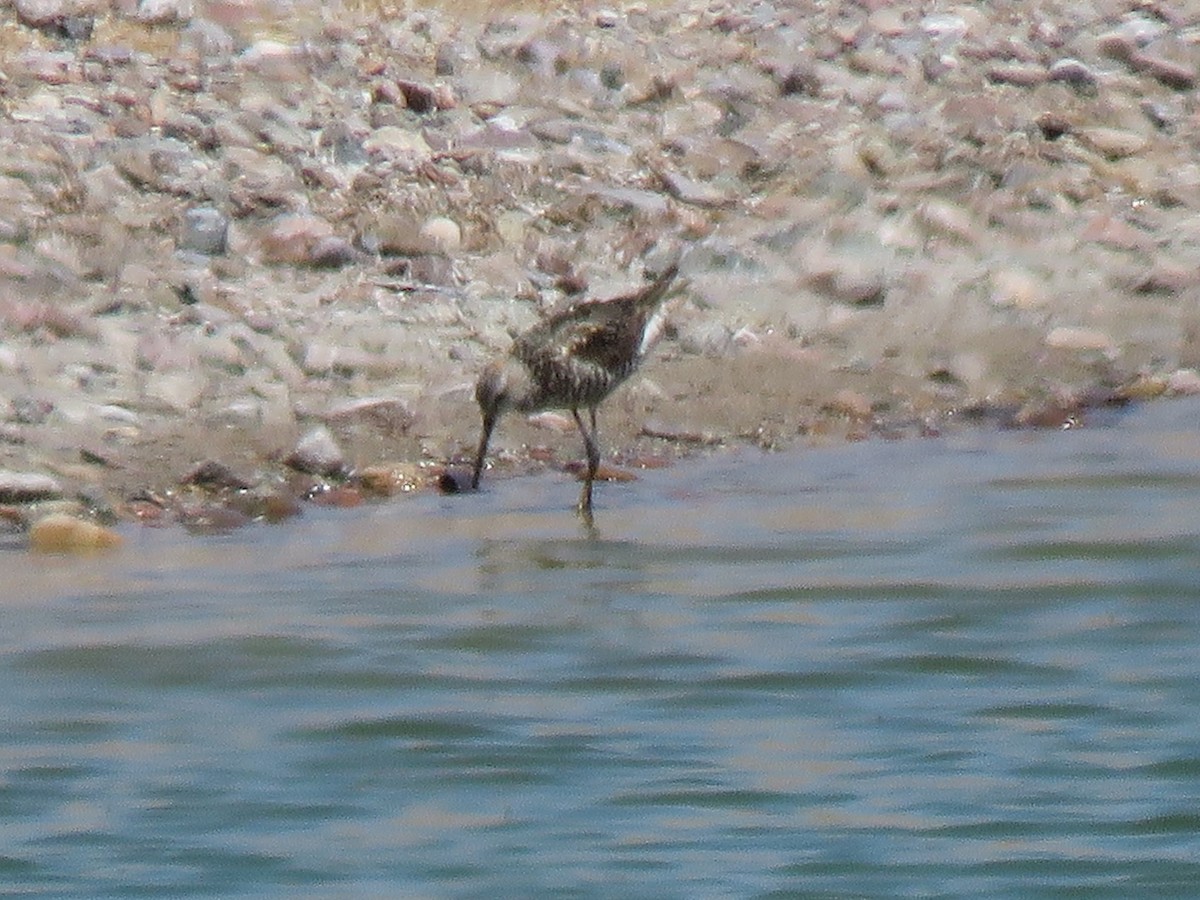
<point>572,360</point>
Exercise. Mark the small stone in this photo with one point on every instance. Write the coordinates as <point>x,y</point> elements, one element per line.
<point>677,435</point>
<point>387,415</point>
<point>317,453</point>
<point>163,12</point>
<point>1053,125</point>
<point>697,193</point>
<point>1116,45</point>
<point>1105,229</point>
<point>214,474</point>
<point>62,533</point>
<point>180,391</point>
<point>331,252</point>
<point>851,403</point>
<point>947,219</point>
<point>389,479</point>
<point>1173,74</point>
<point>423,98</point>
<point>341,497</point>
<point>845,283</point>
<point>551,421</point>
<point>212,518</point>
<point>205,230</point>
<point>1184,381</point>
<point>30,410</point>
<point>1019,74</point>
<point>1079,339</point>
<point>1114,143</point>
<point>1073,72</point>
<point>27,487</point>
<point>1018,289</point>
<point>1144,387</point>
<point>291,238</point>
<point>442,234</point>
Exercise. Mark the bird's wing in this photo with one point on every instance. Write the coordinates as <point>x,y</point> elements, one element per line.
<point>605,335</point>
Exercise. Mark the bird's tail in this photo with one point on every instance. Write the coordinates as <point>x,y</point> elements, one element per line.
<point>650,305</point>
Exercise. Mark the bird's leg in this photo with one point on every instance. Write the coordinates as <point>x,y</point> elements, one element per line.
<point>593,461</point>
<point>489,422</point>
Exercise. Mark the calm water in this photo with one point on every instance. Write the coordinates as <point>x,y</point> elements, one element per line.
<point>952,667</point>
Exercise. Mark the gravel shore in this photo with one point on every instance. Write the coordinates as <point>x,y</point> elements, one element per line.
<point>261,250</point>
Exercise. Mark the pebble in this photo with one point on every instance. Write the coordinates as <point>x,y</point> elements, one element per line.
<point>62,533</point>
<point>442,234</point>
<point>293,238</point>
<point>1184,382</point>
<point>940,217</point>
<point>1079,339</point>
<point>387,415</point>
<point>212,473</point>
<point>1075,73</point>
<point>27,487</point>
<point>389,479</point>
<point>851,403</point>
<point>688,190</point>
<point>317,453</point>
<point>205,230</point>
<point>1115,143</point>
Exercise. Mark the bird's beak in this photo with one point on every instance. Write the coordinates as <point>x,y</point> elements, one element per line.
<point>489,422</point>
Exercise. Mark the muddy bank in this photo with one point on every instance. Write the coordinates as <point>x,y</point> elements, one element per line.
<point>226,224</point>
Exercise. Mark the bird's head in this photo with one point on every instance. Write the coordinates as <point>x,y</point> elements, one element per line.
<point>503,385</point>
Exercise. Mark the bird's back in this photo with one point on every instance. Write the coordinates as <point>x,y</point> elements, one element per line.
<point>577,356</point>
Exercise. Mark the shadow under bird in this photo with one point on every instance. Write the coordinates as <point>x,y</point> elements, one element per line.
<point>573,360</point>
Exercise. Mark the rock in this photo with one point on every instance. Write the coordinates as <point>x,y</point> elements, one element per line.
<point>46,14</point>
<point>205,230</point>
<point>393,142</point>
<point>1075,73</point>
<point>423,98</point>
<point>211,518</point>
<point>1115,143</point>
<point>687,190</point>
<point>1019,74</point>
<point>442,234</point>
<point>454,481</point>
<point>1079,339</point>
<point>178,391</point>
<point>331,252</point>
<point>677,435</point>
<point>1105,229</point>
<point>294,238</point>
<point>1177,75</point>
<point>1184,382</point>
<point>847,281</point>
<point>941,217</point>
<point>27,487</point>
<point>1017,288</point>
<point>389,479</point>
<point>341,496</point>
<point>62,533</point>
<point>850,403</point>
<point>214,474</point>
<point>317,453</point>
<point>385,414</point>
<point>29,410</point>
<point>163,12</point>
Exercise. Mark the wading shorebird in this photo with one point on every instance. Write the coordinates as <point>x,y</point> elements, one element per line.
<point>573,360</point>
